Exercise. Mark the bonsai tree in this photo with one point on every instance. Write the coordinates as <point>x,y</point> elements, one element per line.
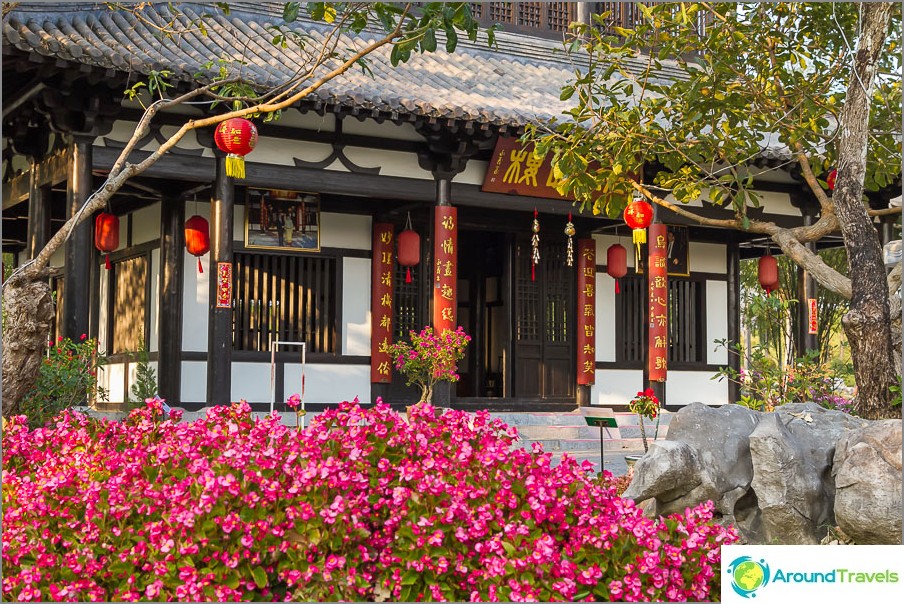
<point>645,405</point>
<point>429,358</point>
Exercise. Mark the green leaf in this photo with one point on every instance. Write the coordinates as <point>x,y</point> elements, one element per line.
<point>290,11</point>
<point>567,93</point>
<point>410,577</point>
<point>451,39</point>
<point>329,15</point>
<point>231,580</point>
<point>429,41</point>
<point>260,577</point>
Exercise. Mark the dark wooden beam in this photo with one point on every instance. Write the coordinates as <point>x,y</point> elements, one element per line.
<point>733,310</point>
<point>51,171</point>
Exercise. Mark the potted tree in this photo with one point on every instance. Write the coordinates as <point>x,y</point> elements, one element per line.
<point>429,358</point>
<point>646,406</point>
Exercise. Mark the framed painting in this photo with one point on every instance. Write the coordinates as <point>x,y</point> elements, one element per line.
<point>677,253</point>
<point>282,220</point>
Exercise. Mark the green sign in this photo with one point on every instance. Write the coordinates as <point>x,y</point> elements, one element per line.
<point>601,422</point>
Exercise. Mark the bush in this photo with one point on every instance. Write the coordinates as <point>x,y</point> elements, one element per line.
<point>360,505</point>
<point>67,377</point>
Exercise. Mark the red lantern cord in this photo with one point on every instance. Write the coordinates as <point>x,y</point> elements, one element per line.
<point>535,247</point>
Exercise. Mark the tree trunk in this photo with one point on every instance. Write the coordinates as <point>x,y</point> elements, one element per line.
<point>868,323</point>
<point>28,311</point>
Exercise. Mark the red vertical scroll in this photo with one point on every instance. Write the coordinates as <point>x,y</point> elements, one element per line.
<point>224,284</point>
<point>381,304</point>
<point>445,269</point>
<point>658,282</point>
<point>586,323</point>
<point>812,317</point>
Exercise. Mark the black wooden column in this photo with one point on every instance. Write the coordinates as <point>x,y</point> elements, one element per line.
<point>219,343</point>
<point>733,262</point>
<point>172,254</point>
<point>806,289</point>
<point>38,214</point>
<point>80,254</point>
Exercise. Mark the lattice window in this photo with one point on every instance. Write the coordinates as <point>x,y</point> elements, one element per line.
<point>529,14</point>
<point>290,298</point>
<point>406,304</point>
<point>527,300</point>
<point>558,286</point>
<point>686,327</point>
<point>501,12</point>
<point>129,297</point>
<point>559,15</point>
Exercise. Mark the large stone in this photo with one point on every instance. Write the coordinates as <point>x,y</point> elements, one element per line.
<point>867,471</point>
<point>769,474</point>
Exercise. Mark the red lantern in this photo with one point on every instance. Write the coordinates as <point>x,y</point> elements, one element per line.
<point>197,238</point>
<point>236,137</point>
<point>106,234</point>
<point>830,179</point>
<point>617,263</point>
<point>767,271</point>
<point>638,215</point>
<point>409,251</point>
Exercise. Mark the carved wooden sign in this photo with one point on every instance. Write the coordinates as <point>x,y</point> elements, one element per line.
<point>514,169</point>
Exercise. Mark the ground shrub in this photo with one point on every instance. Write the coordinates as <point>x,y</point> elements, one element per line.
<point>359,505</point>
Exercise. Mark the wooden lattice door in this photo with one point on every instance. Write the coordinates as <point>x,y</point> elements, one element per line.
<point>543,330</point>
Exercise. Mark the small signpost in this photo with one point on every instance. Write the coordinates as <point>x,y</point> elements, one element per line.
<point>602,421</point>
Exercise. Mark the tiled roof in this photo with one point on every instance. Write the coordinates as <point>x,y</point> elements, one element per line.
<point>517,83</point>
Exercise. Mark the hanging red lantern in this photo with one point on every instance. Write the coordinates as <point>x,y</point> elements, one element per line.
<point>409,251</point>
<point>830,179</point>
<point>617,263</point>
<point>106,234</point>
<point>638,215</point>
<point>197,238</point>
<point>767,272</point>
<point>236,137</point>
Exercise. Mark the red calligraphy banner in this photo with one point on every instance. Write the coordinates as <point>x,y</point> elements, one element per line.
<point>658,283</point>
<point>813,318</point>
<point>586,323</point>
<point>445,269</point>
<point>224,284</point>
<point>381,304</point>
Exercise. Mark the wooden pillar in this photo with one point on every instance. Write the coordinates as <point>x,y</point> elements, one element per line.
<point>172,257</point>
<point>38,214</point>
<point>219,341</point>
<point>658,309</point>
<point>80,253</point>
<point>806,292</point>
<point>445,272</point>
<point>733,261</point>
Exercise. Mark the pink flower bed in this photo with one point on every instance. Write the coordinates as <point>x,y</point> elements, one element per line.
<point>360,505</point>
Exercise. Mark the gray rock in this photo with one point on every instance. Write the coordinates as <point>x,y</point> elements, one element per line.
<point>769,474</point>
<point>867,472</point>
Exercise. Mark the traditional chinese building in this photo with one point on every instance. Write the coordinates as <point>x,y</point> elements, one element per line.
<point>305,247</point>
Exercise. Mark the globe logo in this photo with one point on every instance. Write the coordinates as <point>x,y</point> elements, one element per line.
<point>748,575</point>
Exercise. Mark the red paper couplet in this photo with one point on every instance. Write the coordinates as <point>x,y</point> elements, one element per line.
<point>224,284</point>
<point>813,318</point>
<point>381,304</point>
<point>586,315</point>
<point>445,267</point>
<point>658,283</point>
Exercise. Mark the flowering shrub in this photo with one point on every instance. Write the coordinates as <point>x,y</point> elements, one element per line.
<point>67,377</point>
<point>645,405</point>
<point>358,506</point>
<point>429,358</point>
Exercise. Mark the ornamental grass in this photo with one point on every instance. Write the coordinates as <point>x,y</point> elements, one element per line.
<point>359,506</point>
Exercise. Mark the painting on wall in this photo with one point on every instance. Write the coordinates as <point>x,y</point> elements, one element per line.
<point>677,253</point>
<point>282,220</point>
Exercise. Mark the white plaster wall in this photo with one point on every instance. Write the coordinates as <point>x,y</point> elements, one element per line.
<point>58,258</point>
<point>113,381</point>
<point>250,381</point>
<point>145,225</point>
<point>238,222</point>
<point>616,387</point>
<point>282,152</point>
<point>605,317</point>
<point>473,174</point>
<point>686,387</point>
<point>195,304</point>
<point>123,130</point>
<point>347,231</point>
<point>103,314</point>
<point>329,383</point>
<point>194,381</point>
<point>154,320</point>
<point>716,321</point>
<point>356,275</point>
<point>707,258</point>
<point>391,163</point>
<point>401,132</point>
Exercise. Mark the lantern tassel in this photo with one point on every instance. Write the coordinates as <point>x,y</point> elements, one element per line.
<point>640,236</point>
<point>200,268</point>
<point>617,289</point>
<point>533,275</point>
<point>235,166</point>
<point>107,264</point>
<point>408,275</point>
